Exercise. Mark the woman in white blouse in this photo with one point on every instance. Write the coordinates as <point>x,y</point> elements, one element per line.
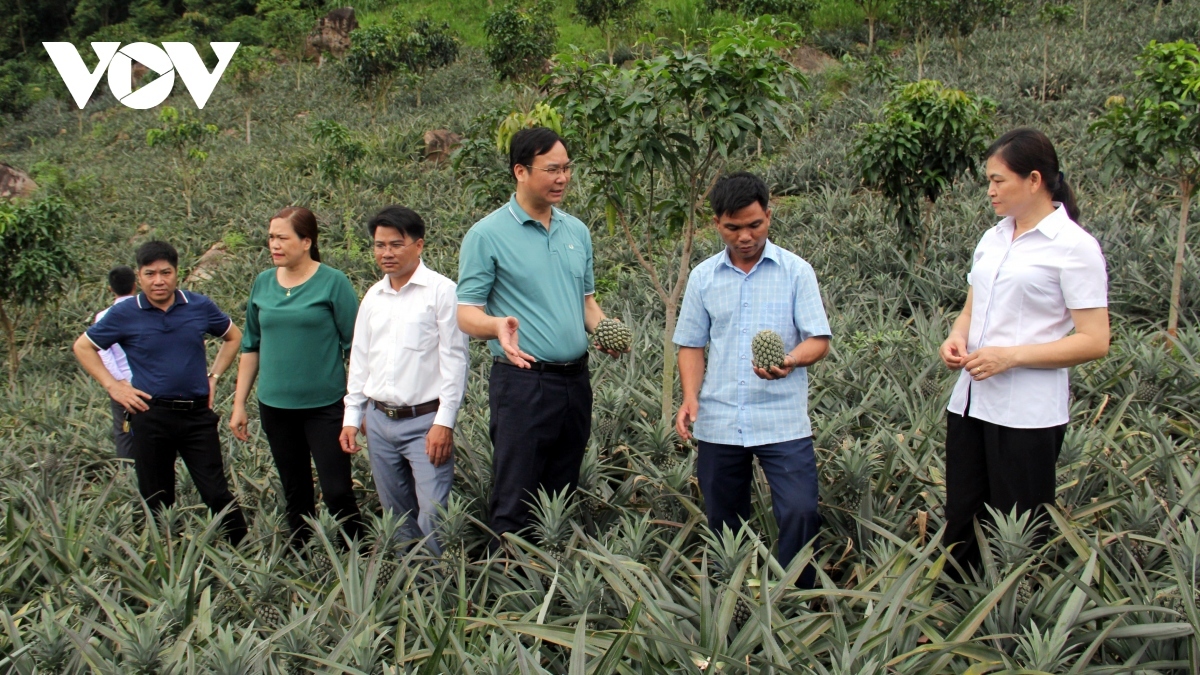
<point>1037,302</point>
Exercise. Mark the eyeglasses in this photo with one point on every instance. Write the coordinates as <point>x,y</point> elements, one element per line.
<point>555,171</point>
<point>385,246</point>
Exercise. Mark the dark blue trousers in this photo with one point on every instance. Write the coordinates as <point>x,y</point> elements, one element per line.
<point>726,472</point>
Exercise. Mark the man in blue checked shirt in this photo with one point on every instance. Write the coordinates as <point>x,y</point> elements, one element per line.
<point>739,411</point>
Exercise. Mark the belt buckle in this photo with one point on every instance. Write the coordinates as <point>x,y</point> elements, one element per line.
<point>391,413</point>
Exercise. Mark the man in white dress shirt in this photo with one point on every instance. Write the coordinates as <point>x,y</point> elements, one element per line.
<point>121,280</point>
<point>408,373</point>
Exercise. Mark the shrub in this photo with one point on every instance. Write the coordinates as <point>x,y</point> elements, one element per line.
<point>520,40</point>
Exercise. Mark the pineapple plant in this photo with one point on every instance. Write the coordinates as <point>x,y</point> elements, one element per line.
<point>855,468</point>
<point>729,550</point>
<point>264,595</point>
<point>583,590</point>
<point>452,527</point>
<point>613,335</point>
<point>605,411</point>
<point>552,514</point>
<point>767,350</point>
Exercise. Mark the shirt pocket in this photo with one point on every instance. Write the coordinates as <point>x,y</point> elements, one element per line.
<point>777,315</point>
<point>420,331</point>
<point>576,260</point>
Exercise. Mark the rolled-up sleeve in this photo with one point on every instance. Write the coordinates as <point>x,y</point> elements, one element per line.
<point>694,321</point>
<point>453,358</point>
<point>476,270</point>
<point>1084,278</point>
<point>809,311</point>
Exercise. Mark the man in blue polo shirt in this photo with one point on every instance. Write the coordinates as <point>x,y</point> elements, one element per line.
<point>742,411</point>
<point>527,268</point>
<point>162,331</point>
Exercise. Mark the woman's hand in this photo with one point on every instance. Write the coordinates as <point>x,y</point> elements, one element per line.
<point>953,351</point>
<point>238,423</point>
<point>988,361</point>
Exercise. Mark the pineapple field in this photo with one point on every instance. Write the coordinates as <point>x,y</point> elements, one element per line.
<point>622,576</point>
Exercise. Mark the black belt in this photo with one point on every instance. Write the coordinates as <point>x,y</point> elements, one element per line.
<point>178,404</point>
<point>572,368</point>
<point>399,412</point>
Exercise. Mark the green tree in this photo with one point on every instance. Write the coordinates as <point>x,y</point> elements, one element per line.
<point>1053,18</point>
<point>1157,137</point>
<point>656,136</point>
<point>34,261</point>
<point>928,136</point>
<point>873,11</point>
<point>249,65</point>
<point>340,152</point>
<point>374,61</point>
<point>542,115</point>
<point>519,39</point>
<point>961,18</point>
<point>185,137</point>
<point>922,19</point>
<point>608,16</point>
<point>426,46</point>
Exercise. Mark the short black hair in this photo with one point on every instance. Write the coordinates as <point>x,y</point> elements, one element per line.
<point>735,191</point>
<point>401,218</point>
<point>529,143</point>
<point>121,279</point>
<point>153,251</point>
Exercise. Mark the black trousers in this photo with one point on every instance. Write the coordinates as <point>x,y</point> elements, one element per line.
<point>998,466</point>
<point>539,427</point>
<point>121,438</point>
<point>159,435</point>
<point>299,438</point>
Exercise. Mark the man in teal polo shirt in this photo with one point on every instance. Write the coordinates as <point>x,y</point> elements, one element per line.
<point>525,284</point>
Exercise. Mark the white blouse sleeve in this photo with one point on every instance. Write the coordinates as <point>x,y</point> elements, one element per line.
<point>1083,276</point>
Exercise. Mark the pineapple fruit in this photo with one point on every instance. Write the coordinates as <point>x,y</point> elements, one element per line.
<point>613,335</point>
<point>766,349</point>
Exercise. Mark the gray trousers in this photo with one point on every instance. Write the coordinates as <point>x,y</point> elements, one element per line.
<point>123,439</point>
<point>407,482</point>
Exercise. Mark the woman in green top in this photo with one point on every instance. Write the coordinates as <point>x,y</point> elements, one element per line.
<point>299,326</point>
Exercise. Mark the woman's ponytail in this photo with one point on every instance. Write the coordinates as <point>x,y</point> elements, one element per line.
<point>1063,193</point>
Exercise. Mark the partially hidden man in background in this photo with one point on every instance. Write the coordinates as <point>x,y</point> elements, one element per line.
<point>121,281</point>
<point>526,269</point>
<point>408,374</point>
<point>162,332</point>
<point>741,411</point>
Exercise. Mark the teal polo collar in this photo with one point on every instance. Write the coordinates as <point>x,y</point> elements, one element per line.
<point>524,218</point>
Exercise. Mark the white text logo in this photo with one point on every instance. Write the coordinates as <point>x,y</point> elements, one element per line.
<point>172,57</point>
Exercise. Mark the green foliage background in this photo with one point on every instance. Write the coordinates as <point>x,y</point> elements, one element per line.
<point>628,569</point>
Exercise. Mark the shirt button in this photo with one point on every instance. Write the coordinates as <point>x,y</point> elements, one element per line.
<point>745,304</point>
<point>743,330</point>
<point>743,382</point>
<point>739,431</point>
<point>743,356</point>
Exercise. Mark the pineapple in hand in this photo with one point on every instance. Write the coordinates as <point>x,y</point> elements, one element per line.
<point>613,337</point>
<point>768,353</point>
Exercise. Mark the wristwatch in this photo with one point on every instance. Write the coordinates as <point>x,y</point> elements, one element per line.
<point>215,376</point>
